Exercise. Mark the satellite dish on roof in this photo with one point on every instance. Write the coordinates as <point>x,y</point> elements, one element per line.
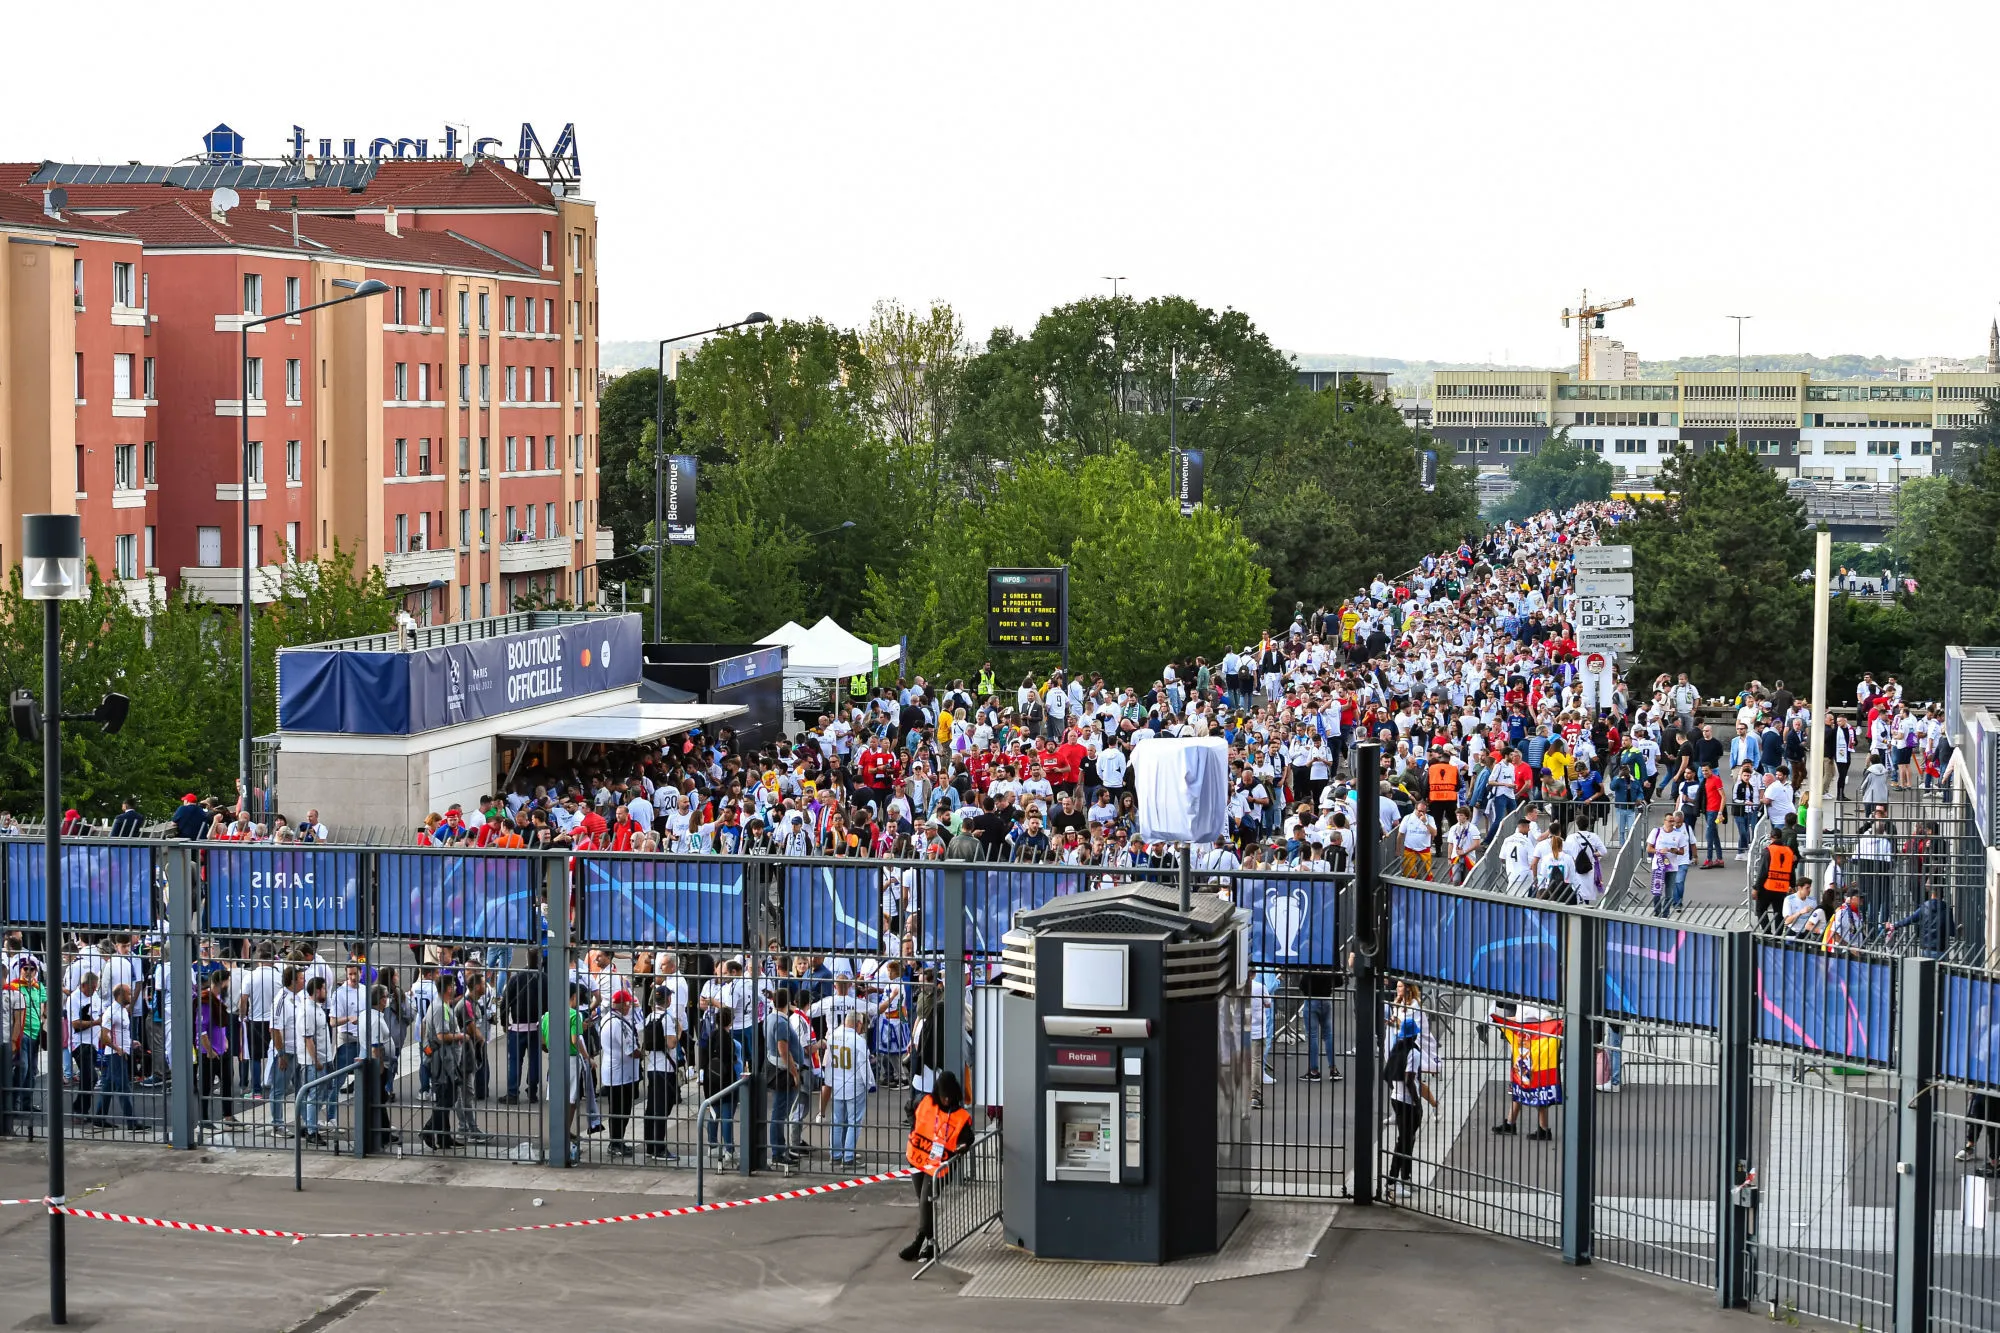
<point>556,189</point>
<point>222,201</point>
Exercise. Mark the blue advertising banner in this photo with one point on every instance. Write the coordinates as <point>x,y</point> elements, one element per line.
<point>993,896</point>
<point>279,889</point>
<point>1971,1046</point>
<point>838,910</point>
<point>1660,973</point>
<point>662,902</point>
<point>1293,923</point>
<point>760,665</point>
<point>397,694</point>
<point>443,895</point>
<point>1817,1001</point>
<point>101,886</point>
<point>1487,945</point>
<point>680,499</point>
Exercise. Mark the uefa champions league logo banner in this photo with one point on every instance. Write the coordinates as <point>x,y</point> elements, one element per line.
<point>663,902</point>
<point>1971,1046</point>
<point>272,889</point>
<point>1660,973</point>
<point>1812,1000</point>
<point>448,896</point>
<point>835,910</point>
<point>1293,922</point>
<point>1492,946</point>
<point>101,886</point>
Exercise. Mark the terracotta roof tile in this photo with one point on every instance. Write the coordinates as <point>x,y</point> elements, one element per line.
<point>182,224</point>
<point>487,184</point>
<point>25,210</point>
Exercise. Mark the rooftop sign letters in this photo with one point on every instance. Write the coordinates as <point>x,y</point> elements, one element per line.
<point>556,162</point>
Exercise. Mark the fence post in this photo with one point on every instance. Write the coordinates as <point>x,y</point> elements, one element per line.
<point>1580,991</point>
<point>183,1120</point>
<point>1735,1026</point>
<point>1916,1141</point>
<point>1367,934</point>
<point>754,1108</point>
<point>953,938</point>
<point>555,978</point>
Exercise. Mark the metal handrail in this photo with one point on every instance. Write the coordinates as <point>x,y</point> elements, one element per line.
<point>701,1115</point>
<point>298,1114</point>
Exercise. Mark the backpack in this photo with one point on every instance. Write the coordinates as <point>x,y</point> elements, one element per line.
<point>1583,861</point>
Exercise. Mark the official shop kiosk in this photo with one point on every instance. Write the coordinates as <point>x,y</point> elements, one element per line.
<point>1127,1076</point>
<point>383,729</point>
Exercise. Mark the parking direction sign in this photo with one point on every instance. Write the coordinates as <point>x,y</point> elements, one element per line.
<point>1603,557</point>
<point>1604,585</point>
<point>1588,613</point>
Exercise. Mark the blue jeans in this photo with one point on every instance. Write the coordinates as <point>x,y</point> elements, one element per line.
<point>1501,806</point>
<point>782,1101</point>
<point>1627,816</point>
<point>1745,826</point>
<point>1319,1032</point>
<point>847,1114</point>
<point>1712,821</point>
<point>116,1082</point>
<point>498,957</point>
<point>723,1121</point>
<point>283,1080</point>
<point>1614,1043</point>
<point>347,1053</point>
<point>517,1042</point>
<point>309,1108</point>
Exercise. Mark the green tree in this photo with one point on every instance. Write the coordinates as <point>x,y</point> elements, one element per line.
<point>1715,569</point>
<point>1955,561</point>
<point>625,430</point>
<point>1342,499</point>
<point>1561,474</point>
<point>1146,585</point>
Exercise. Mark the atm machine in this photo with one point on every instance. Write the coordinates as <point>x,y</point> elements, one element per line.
<point>1127,1076</point>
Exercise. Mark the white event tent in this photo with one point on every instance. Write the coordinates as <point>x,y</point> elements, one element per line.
<point>827,652</point>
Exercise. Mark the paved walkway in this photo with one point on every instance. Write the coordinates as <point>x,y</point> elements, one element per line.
<point>826,1263</point>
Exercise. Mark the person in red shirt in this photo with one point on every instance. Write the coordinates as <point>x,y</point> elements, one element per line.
<point>1066,770</point>
<point>878,770</point>
<point>1711,805</point>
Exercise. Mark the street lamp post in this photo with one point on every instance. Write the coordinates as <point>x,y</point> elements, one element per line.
<point>355,291</point>
<point>660,447</point>
<point>1739,375</point>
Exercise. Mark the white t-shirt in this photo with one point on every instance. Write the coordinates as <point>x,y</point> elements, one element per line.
<point>1674,845</point>
<point>846,1065</point>
<point>1416,832</point>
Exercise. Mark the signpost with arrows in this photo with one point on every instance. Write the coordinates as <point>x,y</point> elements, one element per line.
<point>1601,609</point>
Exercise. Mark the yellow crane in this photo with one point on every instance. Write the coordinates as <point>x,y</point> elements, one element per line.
<point>1589,317</point>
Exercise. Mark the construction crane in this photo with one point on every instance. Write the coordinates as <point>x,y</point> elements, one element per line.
<point>1589,317</point>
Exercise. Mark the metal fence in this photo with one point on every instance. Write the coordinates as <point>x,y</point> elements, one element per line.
<point>1809,1131</point>
<point>968,1200</point>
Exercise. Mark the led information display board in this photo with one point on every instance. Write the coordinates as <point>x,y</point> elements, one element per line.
<point>1027,608</point>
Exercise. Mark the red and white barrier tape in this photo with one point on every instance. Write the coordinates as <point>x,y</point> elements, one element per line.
<point>8,1203</point>
<point>833,1187</point>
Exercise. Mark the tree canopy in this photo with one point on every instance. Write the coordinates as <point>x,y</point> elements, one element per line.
<point>1559,475</point>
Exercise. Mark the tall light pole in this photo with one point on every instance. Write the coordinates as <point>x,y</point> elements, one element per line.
<point>1739,375</point>
<point>356,290</point>
<point>660,447</point>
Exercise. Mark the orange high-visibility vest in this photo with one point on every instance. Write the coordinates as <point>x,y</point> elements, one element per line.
<point>1778,879</point>
<point>934,1134</point>
<point>1444,783</point>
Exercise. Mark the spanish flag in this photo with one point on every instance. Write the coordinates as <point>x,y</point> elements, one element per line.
<point>1536,1067</point>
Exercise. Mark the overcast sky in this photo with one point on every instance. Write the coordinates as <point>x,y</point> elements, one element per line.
<point>1431,181</point>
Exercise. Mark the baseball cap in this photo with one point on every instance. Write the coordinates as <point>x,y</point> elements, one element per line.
<point>622,997</point>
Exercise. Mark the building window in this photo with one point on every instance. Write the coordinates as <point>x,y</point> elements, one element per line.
<point>423,381</point>
<point>1888,448</point>
<point>208,547</point>
<point>485,456</point>
<point>402,458</point>
<point>528,515</point>
<point>576,450</point>
<point>79,377</point>
<point>512,532</point>
<point>402,381</point>
<point>485,311</point>
<point>291,543</point>
<point>424,306</point>
<point>152,557</point>
<point>485,528</point>
<point>424,456</point>
<point>485,599</point>
<point>576,517</point>
<point>422,540</point>
<point>292,460</point>
<point>1922,447</point>
<point>121,375</point>
<point>401,292</point>
<point>402,532</point>
<point>149,378</point>
<point>253,293</point>
<point>76,281</point>
<point>465,529</point>
<point>292,379</point>
<point>485,385</point>
<point>292,301</point>
<point>548,242</point>
<point>554,530</point>
<point>508,461</point>
<point>152,477</point>
<point>464,385</point>
<point>1836,446</point>
<point>121,284</point>
<point>507,315</point>
<point>464,454</point>
<point>256,461</point>
<point>528,309</point>
<point>125,467</point>
<point>507,392</point>
<point>253,377</point>
<point>548,384</point>
<point>549,313</point>
<point>125,553</point>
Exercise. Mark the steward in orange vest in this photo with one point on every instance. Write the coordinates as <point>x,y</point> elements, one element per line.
<point>938,1133</point>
